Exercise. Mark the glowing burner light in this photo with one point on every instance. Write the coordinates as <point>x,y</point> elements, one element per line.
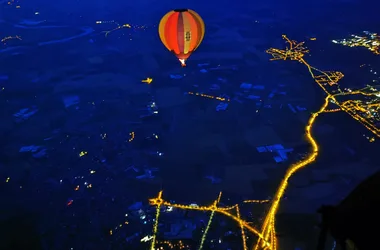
<point>183,62</point>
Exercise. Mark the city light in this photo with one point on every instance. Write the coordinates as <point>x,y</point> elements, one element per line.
<point>329,83</point>
<point>370,40</point>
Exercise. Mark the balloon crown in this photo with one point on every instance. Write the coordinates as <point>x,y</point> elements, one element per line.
<point>181,10</point>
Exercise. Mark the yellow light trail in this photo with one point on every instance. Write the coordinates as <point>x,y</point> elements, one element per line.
<point>268,227</point>
<point>244,238</point>
<point>209,96</point>
<point>256,201</point>
<point>209,222</point>
<point>147,80</point>
<point>206,230</point>
<point>155,227</point>
<point>332,110</point>
<point>295,51</point>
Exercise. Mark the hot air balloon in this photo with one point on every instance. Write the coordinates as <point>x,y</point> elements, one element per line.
<point>181,31</point>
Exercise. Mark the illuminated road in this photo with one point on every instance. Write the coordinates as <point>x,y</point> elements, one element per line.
<point>268,227</point>
<point>324,79</point>
<point>328,81</point>
<point>267,239</point>
<point>213,208</point>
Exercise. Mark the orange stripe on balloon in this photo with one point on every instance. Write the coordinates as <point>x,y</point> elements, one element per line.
<point>171,31</point>
<point>180,33</point>
<point>161,28</point>
<point>192,28</point>
<point>201,26</point>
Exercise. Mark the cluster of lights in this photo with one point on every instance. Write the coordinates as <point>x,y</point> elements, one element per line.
<point>87,185</point>
<point>83,153</point>
<point>213,208</point>
<point>132,136</point>
<point>171,245</point>
<point>369,138</point>
<point>220,98</point>
<point>7,38</point>
<point>14,2</point>
<point>267,236</point>
<point>83,186</point>
<point>120,26</point>
<point>329,77</point>
<point>370,41</point>
<point>126,25</point>
<point>256,201</point>
<point>112,231</point>
<point>268,227</point>
<point>365,112</point>
<point>296,51</point>
<point>332,110</point>
<point>372,71</point>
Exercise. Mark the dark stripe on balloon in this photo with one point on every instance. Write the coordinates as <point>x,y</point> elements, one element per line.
<point>180,33</point>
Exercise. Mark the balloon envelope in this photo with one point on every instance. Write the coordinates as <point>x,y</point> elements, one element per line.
<point>181,31</point>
